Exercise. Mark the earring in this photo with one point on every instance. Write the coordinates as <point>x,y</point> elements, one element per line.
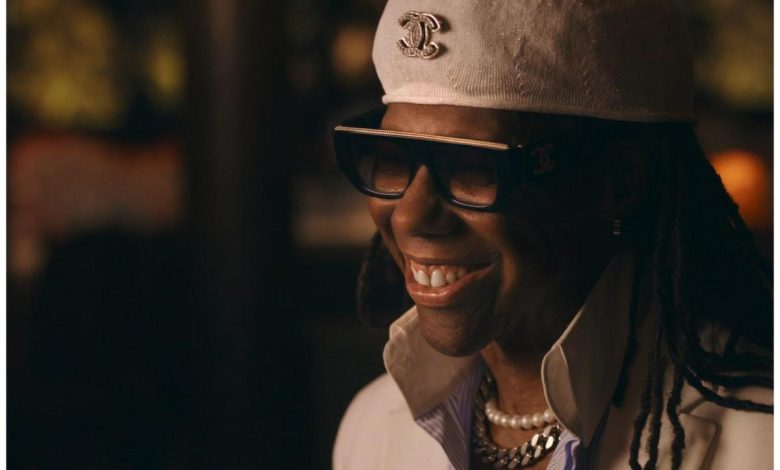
<point>616,227</point>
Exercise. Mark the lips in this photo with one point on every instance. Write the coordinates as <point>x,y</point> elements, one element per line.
<point>448,284</point>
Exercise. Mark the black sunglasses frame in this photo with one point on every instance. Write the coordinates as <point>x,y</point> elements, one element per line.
<point>512,162</point>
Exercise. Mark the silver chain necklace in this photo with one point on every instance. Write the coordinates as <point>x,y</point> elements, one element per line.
<point>524,455</point>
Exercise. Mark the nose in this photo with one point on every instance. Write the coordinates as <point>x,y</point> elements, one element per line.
<point>421,211</point>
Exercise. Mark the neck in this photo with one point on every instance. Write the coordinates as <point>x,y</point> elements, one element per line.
<point>518,379</point>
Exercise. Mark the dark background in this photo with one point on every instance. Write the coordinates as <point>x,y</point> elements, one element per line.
<point>182,250</point>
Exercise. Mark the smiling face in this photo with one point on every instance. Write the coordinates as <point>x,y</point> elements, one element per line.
<point>516,277</point>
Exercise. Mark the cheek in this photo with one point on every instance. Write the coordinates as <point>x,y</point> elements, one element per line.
<point>548,229</point>
<point>536,245</point>
<point>520,246</point>
<point>526,260</point>
<point>545,246</point>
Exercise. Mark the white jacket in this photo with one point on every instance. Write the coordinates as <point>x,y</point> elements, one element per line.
<point>579,375</point>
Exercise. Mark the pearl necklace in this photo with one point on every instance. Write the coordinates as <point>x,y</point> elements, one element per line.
<point>529,421</point>
<point>525,455</point>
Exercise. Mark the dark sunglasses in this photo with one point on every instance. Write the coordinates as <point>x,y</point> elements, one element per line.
<point>468,173</point>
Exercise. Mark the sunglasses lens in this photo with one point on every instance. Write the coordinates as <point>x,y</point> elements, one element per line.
<point>382,165</point>
<point>470,174</point>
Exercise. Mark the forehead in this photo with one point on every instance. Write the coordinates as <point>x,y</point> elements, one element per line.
<point>474,123</point>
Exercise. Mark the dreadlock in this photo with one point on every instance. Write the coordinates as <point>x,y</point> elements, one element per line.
<point>703,269</point>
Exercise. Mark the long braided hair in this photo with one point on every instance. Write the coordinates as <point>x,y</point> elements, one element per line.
<point>700,263</point>
<point>703,269</point>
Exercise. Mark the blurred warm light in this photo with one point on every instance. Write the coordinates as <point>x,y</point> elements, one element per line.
<point>62,186</point>
<point>748,180</point>
<point>351,53</point>
<point>67,74</point>
<point>164,66</point>
<point>737,64</point>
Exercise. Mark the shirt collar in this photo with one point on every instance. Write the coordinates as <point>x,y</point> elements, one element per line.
<point>579,373</point>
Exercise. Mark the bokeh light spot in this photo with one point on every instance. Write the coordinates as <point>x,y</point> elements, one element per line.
<point>747,178</point>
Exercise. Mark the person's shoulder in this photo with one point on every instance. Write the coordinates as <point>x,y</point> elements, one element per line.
<point>364,424</point>
<point>379,432</point>
<point>380,396</point>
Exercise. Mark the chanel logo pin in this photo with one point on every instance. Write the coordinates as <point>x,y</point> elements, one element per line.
<point>417,42</point>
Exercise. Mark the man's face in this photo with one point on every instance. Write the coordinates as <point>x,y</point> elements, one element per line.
<point>517,276</point>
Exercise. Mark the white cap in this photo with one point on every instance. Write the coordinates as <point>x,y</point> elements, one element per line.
<point>614,59</point>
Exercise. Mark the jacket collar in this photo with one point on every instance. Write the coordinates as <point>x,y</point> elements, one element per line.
<point>579,373</point>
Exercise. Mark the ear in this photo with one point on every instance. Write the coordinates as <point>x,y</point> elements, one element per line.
<point>624,167</point>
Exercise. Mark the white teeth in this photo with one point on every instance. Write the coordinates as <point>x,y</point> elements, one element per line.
<point>440,276</point>
<point>437,278</point>
<point>451,277</point>
<point>422,278</point>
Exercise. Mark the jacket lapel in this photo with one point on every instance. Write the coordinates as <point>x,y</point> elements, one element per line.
<point>615,444</point>
<point>699,436</point>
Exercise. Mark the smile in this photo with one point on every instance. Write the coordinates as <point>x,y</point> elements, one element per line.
<point>438,276</point>
<point>445,285</point>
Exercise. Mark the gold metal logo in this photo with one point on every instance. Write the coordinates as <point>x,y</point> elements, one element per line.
<point>417,42</point>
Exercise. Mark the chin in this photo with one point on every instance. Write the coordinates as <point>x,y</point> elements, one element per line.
<point>452,333</point>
